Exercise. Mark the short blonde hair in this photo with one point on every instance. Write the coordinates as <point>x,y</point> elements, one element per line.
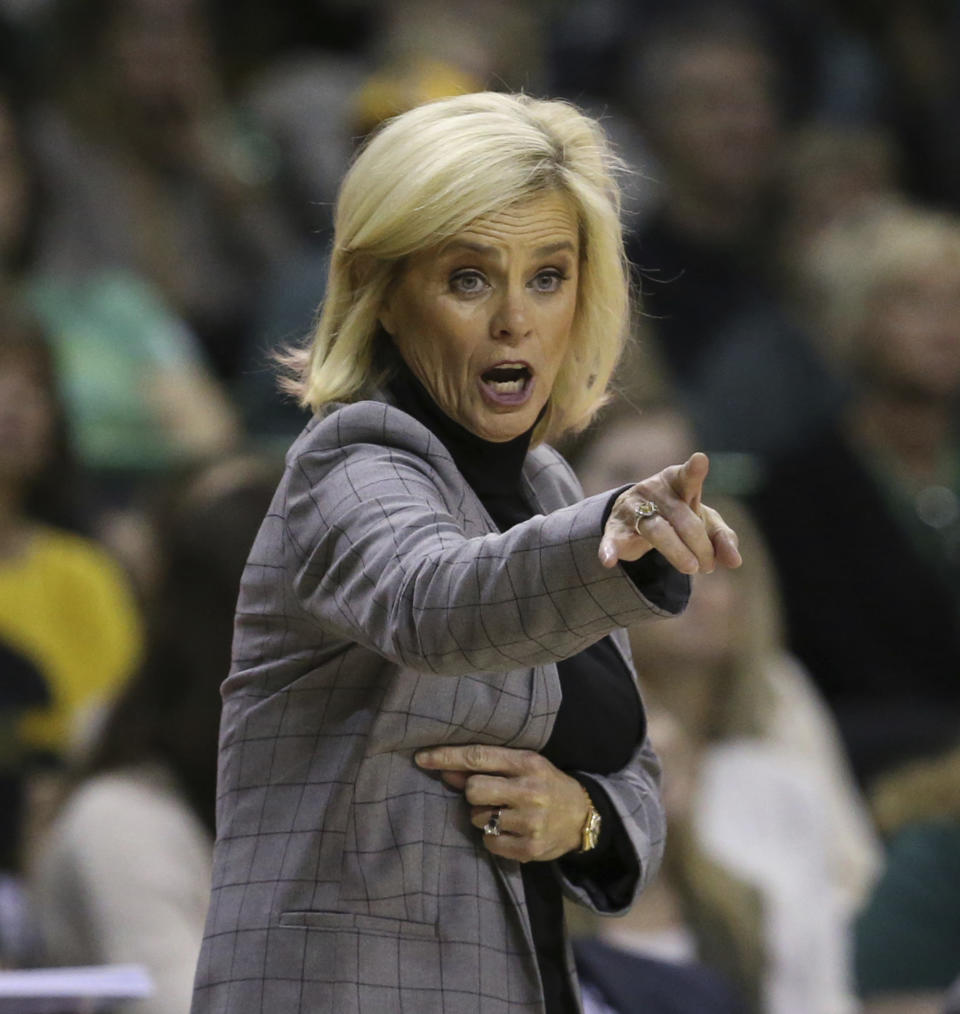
<point>858,258</point>
<point>425,176</point>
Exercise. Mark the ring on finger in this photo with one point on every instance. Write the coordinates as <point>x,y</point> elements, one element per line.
<point>643,510</point>
<point>492,826</point>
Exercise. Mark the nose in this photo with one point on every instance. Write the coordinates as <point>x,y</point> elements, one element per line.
<point>510,321</point>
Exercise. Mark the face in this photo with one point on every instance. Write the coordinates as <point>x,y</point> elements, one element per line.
<point>160,58</point>
<point>484,319</point>
<point>636,446</point>
<point>914,340</point>
<point>706,633</point>
<point>720,124</point>
<point>699,645</point>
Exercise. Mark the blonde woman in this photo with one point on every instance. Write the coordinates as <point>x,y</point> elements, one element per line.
<point>428,632</point>
<point>771,849</point>
<point>863,517</point>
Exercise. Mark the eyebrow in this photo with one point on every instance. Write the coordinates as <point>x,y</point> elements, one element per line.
<point>552,248</point>
<point>490,251</point>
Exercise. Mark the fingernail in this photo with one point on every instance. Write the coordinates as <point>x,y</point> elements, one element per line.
<point>607,554</point>
<point>423,758</point>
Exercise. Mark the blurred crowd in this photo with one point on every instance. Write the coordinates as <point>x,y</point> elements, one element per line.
<point>792,185</point>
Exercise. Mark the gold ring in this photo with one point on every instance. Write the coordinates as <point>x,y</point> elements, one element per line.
<point>644,509</point>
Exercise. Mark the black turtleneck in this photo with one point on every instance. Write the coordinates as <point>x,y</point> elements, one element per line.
<point>600,721</point>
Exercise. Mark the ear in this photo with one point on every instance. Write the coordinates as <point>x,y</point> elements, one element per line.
<point>386,315</point>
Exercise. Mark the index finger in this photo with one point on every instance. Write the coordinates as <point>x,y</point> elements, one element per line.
<point>471,757</point>
<point>689,479</point>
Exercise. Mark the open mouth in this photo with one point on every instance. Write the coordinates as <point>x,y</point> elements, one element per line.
<point>507,379</point>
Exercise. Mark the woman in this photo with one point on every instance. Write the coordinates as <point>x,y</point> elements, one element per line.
<point>881,636</point>
<point>140,398</point>
<point>426,578</point>
<point>150,169</point>
<point>770,849</point>
<point>906,944</point>
<point>66,609</point>
<point>123,873</point>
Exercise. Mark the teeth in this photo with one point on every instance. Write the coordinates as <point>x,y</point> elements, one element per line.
<point>506,386</point>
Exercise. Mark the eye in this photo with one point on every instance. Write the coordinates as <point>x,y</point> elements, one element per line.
<point>469,282</point>
<point>548,280</point>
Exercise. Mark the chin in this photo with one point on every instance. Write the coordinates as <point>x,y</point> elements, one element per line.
<point>503,432</point>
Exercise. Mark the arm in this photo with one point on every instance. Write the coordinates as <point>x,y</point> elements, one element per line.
<point>636,823</point>
<point>388,548</point>
<point>380,554</point>
<point>129,870</point>
<point>542,812</point>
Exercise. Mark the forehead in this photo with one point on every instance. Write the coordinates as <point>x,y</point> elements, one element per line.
<point>546,219</point>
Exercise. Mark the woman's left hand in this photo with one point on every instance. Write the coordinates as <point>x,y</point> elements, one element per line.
<point>542,810</point>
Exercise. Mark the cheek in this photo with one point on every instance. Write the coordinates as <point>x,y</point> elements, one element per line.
<point>437,346</point>
<point>561,331</point>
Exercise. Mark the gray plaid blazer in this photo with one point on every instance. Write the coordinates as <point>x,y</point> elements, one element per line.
<point>381,611</point>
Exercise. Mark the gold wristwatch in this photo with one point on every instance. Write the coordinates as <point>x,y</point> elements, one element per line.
<point>590,832</point>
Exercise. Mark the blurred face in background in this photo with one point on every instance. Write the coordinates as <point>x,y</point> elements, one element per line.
<point>829,173</point>
<point>706,633</point>
<point>912,338</point>
<point>686,663</point>
<point>716,119</point>
<point>161,66</point>
<point>635,446</point>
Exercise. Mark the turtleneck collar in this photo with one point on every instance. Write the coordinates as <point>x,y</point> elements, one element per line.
<point>492,468</point>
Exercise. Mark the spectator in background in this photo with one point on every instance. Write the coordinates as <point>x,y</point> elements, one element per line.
<point>911,48</point>
<point>618,981</point>
<point>908,934</point>
<point>863,518</point>
<point>136,390</point>
<point>829,170</point>
<point>67,615</point>
<point>703,86</point>
<point>770,850</point>
<point>765,384</point>
<point>149,168</point>
<point>123,874</point>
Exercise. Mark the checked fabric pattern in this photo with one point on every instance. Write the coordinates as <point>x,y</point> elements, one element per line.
<point>380,612</point>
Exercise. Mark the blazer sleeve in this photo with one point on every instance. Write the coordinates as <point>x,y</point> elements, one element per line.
<point>610,885</point>
<point>375,537</point>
